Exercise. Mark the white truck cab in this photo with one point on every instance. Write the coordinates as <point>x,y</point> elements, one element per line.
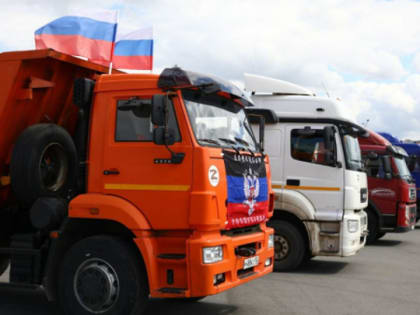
<point>319,185</point>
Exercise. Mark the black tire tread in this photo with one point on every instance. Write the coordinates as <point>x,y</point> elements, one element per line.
<point>124,255</point>
<point>26,155</point>
<point>373,227</point>
<point>296,242</point>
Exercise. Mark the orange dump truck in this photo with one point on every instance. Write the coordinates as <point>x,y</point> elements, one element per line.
<point>116,188</point>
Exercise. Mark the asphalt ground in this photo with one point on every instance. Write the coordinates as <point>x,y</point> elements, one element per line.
<point>383,278</point>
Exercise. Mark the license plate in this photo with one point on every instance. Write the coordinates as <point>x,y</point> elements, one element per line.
<point>251,262</point>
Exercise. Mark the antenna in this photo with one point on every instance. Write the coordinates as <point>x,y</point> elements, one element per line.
<point>366,123</point>
<point>326,91</point>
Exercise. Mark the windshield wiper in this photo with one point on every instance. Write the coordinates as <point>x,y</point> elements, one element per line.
<point>230,141</point>
<point>212,141</point>
<point>241,141</point>
<point>245,144</point>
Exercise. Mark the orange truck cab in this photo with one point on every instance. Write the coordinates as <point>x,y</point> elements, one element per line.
<point>115,188</point>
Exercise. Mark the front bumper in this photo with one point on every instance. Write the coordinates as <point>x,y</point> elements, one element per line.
<point>352,242</point>
<point>201,276</point>
<point>406,217</point>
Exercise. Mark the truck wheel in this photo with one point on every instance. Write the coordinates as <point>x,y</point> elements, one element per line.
<point>102,275</point>
<point>43,163</point>
<point>373,228</point>
<point>289,246</point>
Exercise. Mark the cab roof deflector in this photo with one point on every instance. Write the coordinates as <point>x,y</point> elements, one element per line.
<point>261,84</point>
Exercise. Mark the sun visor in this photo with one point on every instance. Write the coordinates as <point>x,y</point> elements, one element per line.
<point>177,78</point>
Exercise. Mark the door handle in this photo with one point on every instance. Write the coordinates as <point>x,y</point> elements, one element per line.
<point>112,171</point>
<point>293,182</point>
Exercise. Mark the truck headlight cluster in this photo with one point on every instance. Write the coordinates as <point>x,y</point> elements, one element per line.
<point>353,225</point>
<point>212,254</point>
<point>270,241</point>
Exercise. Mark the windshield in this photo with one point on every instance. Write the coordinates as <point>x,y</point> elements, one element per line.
<point>220,122</point>
<point>353,155</point>
<point>403,170</point>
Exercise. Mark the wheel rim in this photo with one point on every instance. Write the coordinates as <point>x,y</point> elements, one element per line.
<point>96,285</point>
<point>53,167</point>
<point>281,247</point>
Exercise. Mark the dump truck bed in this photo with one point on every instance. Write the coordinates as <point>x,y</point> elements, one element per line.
<point>36,87</point>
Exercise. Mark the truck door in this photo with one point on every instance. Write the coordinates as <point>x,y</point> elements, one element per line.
<point>307,170</point>
<point>138,170</point>
<point>382,190</point>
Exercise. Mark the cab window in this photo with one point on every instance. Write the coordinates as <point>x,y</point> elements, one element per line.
<point>134,123</point>
<point>375,168</point>
<point>308,147</point>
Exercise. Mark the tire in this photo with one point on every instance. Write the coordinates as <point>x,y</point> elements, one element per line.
<point>44,163</point>
<point>289,246</point>
<point>373,228</point>
<point>102,275</point>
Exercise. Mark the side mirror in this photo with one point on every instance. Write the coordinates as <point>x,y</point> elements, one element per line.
<point>387,167</point>
<point>261,132</point>
<point>329,138</point>
<point>260,119</point>
<point>159,106</point>
<point>329,143</point>
<point>161,137</point>
<point>411,163</point>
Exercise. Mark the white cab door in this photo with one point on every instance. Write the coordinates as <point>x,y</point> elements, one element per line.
<point>306,170</point>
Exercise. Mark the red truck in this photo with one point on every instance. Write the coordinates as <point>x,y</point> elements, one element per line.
<point>115,188</point>
<point>392,191</point>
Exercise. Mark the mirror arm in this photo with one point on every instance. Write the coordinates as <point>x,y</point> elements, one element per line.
<point>176,157</point>
<point>262,130</point>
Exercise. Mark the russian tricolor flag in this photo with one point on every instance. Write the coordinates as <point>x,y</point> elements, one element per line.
<point>91,35</point>
<point>134,50</point>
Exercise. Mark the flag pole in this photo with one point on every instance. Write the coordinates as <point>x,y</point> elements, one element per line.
<point>113,42</point>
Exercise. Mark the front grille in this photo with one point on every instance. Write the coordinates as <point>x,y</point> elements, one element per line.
<point>242,231</point>
<point>243,273</point>
<point>412,193</point>
<point>363,195</point>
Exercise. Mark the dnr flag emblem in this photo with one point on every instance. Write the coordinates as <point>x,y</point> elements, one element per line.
<point>247,202</point>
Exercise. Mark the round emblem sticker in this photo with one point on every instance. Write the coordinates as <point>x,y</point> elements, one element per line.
<point>214,176</point>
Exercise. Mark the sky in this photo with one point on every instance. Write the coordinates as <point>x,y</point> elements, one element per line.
<point>364,52</point>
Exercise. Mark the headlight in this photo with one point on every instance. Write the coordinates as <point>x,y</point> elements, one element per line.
<point>212,254</point>
<point>270,241</point>
<point>353,225</point>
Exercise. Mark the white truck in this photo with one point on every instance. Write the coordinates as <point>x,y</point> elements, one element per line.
<point>319,184</point>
